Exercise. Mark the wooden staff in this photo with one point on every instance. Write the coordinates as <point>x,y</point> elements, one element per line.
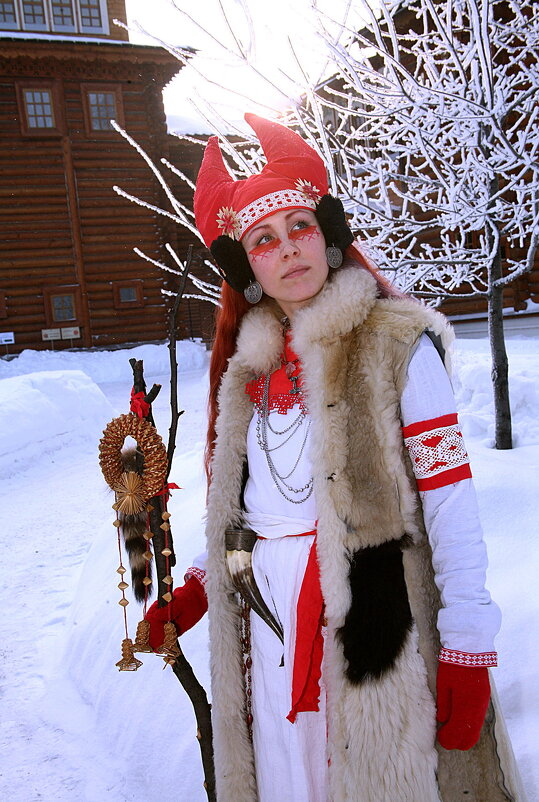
<point>181,666</point>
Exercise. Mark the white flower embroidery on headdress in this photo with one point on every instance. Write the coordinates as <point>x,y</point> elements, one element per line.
<point>228,222</point>
<point>308,190</point>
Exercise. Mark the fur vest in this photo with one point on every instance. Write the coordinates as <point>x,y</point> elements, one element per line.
<point>375,561</point>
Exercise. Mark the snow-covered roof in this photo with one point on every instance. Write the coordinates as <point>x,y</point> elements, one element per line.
<point>93,40</point>
<point>191,124</point>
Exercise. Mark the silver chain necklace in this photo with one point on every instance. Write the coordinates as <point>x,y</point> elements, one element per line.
<point>262,427</point>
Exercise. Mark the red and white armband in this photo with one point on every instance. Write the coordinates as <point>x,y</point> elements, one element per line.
<point>437,452</point>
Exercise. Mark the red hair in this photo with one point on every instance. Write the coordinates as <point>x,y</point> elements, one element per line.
<point>233,308</point>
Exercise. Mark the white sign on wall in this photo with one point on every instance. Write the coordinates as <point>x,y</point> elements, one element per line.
<point>51,334</point>
<point>70,333</point>
<point>7,337</point>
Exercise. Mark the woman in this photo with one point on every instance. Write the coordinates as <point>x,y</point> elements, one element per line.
<point>333,436</point>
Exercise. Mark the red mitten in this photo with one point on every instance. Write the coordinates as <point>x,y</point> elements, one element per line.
<point>463,693</point>
<point>188,605</point>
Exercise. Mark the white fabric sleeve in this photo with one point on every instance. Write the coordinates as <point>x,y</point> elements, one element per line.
<point>468,619</point>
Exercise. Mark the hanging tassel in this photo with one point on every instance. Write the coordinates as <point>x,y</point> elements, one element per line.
<point>170,647</point>
<point>128,662</point>
<point>142,638</point>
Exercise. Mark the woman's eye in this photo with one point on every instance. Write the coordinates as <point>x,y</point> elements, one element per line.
<point>263,240</point>
<point>299,224</point>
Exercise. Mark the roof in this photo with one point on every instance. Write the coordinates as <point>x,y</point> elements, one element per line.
<point>44,45</point>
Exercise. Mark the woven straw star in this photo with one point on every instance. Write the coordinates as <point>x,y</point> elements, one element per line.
<point>308,190</point>
<point>129,493</point>
<point>228,222</point>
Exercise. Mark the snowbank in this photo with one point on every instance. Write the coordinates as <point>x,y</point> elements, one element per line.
<point>41,412</point>
<point>76,728</point>
<point>473,390</point>
<point>107,366</point>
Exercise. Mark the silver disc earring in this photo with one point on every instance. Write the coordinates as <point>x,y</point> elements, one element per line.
<point>333,256</point>
<point>253,292</point>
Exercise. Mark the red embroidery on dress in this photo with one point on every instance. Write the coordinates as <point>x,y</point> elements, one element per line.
<point>279,401</point>
<point>279,397</point>
<point>437,452</point>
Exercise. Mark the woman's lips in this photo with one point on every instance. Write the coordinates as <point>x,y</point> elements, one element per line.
<point>296,271</point>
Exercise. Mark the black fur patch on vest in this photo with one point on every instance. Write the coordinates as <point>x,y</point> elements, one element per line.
<point>379,617</point>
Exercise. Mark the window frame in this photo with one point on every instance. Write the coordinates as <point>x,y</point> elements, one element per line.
<point>49,25</point>
<point>116,90</point>
<point>104,19</point>
<point>61,289</point>
<point>13,26</point>
<point>137,284</point>
<point>65,28</point>
<point>40,85</point>
<point>32,26</point>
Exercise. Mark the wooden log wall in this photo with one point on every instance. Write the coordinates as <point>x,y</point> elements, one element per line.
<point>62,223</point>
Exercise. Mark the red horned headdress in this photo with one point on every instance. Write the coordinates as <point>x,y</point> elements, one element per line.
<point>293,178</point>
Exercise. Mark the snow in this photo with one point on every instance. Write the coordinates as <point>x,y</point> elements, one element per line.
<point>72,725</point>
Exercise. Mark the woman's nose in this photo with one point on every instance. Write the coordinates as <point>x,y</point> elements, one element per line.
<point>289,248</point>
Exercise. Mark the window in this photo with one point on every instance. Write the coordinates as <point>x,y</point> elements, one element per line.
<point>39,108</point>
<point>91,18</point>
<point>8,15</point>
<point>102,107</point>
<point>63,16</point>
<point>128,294</point>
<point>73,16</point>
<point>102,103</point>
<point>62,304</point>
<point>63,307</point>
<point>33,14</point>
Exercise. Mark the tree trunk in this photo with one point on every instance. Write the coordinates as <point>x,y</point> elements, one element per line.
<point>500,364</point>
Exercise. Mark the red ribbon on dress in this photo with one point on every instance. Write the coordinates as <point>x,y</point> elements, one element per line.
<point>309,645</point>
<point>138,405</point>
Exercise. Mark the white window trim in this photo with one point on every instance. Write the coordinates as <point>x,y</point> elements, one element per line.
<point>104,19</point>
<point>49,24</point>
<point>33,26</point>
<point>64,28</point>
<point>13,26</point>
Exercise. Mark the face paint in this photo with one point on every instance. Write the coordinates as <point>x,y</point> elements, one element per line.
<point>310,232</point>
<point>264,248</point>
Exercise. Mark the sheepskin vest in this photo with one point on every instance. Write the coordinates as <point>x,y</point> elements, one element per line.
<point>355,349</point>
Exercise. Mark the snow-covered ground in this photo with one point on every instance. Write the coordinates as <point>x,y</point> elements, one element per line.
<point>73,727</point>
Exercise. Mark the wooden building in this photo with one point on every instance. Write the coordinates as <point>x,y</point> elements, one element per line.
<point>68,274</point>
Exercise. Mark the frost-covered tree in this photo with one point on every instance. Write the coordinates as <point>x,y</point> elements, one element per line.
<point>428,118</point>
<point>435,107</point>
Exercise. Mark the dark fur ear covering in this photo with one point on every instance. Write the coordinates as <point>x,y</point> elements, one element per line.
<point>379,617</point>
<point>232,262</point>
<point>332,221</point>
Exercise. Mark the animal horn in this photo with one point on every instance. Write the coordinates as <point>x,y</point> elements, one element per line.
<point>239,546</point>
